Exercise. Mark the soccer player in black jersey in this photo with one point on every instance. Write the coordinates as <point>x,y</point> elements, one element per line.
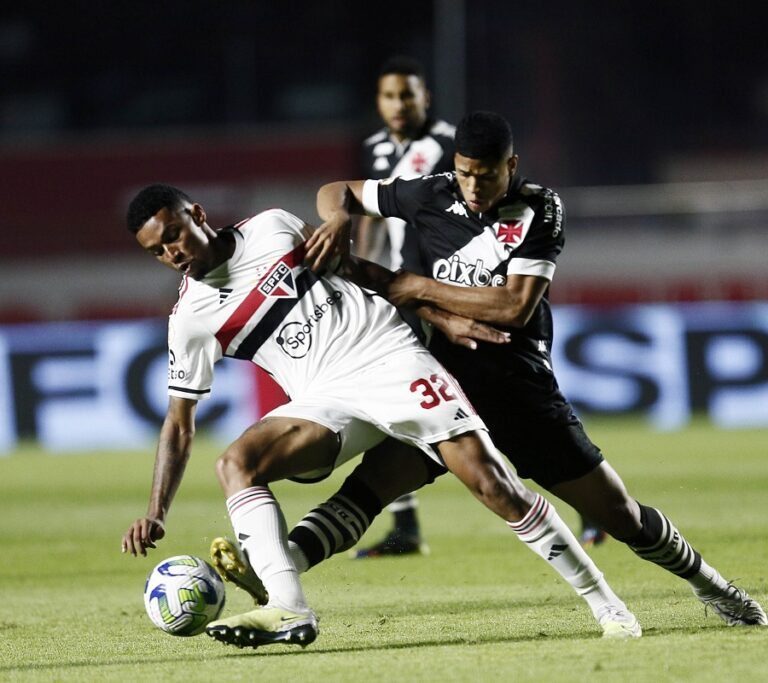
<point>492,239</point>
<point>410,144</point>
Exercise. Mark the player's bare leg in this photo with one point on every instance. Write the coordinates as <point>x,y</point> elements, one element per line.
<point>476,462</point>
<point>270,450</point>
<point>602,496</point>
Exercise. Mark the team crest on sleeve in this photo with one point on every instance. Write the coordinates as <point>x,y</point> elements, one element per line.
<point>279,282</point>
<point>513,225</point>
<point>509,232</point>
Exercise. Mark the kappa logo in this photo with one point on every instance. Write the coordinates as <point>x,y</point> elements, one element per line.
<point>279,283</point>
<point>458,208</point>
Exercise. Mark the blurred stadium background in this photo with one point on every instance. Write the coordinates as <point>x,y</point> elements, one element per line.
<point>650,119</point>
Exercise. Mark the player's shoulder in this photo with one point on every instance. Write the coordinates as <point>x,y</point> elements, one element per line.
<point>429,183</point>
<point>380,135</point>
<point>442,129</point>
<point>534,192</point>
<point>270,220</point>
<point>439,181</point>
<point>545,202</point>
<point>182,316</point>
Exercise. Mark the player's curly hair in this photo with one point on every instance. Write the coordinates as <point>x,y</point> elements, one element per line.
<point>484,135</point>
<point>150,200</point>
<point>402,66</point>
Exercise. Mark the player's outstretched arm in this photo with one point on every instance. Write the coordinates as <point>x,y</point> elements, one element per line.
<point>458,329</point>
<point>336,203</point>
<point>511,305</point>
<point>173,451</point>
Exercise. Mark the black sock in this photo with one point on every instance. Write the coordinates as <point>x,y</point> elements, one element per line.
<point>661,543</point>
<point>337,524</point>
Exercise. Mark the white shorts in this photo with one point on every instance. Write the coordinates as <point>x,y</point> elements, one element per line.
<point>410,397</point>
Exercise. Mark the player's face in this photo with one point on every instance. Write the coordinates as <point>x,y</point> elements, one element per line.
<point>403,102</point>
<point>180,239</point>
<point>484,182</point>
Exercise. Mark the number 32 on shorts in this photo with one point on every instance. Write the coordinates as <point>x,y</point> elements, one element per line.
<point>432,390</point>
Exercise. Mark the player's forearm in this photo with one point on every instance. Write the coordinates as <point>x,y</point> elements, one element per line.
<point>337,202</point>
<point>367,274</point>
<point>173,449</point>
<point>496,305</point>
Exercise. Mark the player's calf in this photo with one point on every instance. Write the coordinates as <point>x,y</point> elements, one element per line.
<point>477,464</point>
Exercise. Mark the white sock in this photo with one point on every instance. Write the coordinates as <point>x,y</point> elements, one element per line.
<point>544,532</point>
<point>261,530</point>
<point>707,581</point>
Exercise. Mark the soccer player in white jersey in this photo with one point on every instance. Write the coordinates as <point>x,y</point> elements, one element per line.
<point>355,373</point>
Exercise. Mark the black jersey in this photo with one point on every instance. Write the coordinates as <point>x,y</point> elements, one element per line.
<point>523,234</point>
<point>430,151</point>
<point>511,386</point>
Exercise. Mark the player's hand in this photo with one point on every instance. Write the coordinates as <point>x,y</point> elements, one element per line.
<point>141,535</point>
<point>464,331</point>
<point>332,238</point>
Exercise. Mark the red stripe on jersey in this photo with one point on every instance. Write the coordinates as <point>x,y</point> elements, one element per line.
<point>245,311</point>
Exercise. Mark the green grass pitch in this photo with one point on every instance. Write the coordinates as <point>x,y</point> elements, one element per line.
<point>480,607</point>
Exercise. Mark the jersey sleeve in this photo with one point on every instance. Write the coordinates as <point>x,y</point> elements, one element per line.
<point>537,255</point>
<point>395,197</point>
<point>274,233</point>
<point>192,353</point>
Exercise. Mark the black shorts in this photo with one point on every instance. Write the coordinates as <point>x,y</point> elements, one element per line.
<point>536,429</point>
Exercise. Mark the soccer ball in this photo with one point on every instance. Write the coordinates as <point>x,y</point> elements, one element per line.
<point>183,594</point>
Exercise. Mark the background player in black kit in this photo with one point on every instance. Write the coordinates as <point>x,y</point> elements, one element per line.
<point>410,144</point>
<point>493,239</point>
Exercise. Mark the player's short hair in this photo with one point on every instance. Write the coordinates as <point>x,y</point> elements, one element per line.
<point>402,66</point>
<point>152,199</point>
<point>484,135</point>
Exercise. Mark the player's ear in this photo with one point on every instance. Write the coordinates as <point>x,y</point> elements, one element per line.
<point>198,214</point>
<point>512,164</point>
<point>427,98</point>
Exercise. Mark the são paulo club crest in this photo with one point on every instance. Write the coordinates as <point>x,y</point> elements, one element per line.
<point>279,282</point>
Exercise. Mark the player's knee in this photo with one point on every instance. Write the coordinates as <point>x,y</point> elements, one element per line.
<point>238,466</point>
<point>622,518</point>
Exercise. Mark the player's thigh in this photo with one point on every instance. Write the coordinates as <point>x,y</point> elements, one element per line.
<point>393,468</point>
<point>281,447</point>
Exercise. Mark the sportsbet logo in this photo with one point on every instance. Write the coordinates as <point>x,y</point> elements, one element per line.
<point>295,338</point>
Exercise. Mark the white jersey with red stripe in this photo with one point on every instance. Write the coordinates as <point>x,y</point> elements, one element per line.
<point>264,305</point>
<point>343,354</point>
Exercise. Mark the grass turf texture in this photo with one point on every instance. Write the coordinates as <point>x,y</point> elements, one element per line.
<point>480,607</point>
